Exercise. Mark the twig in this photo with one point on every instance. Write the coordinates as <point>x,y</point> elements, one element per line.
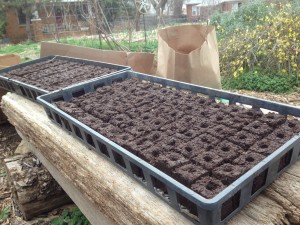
<point>5,195</point>
<point>27,165</point>
<point>12,205</point>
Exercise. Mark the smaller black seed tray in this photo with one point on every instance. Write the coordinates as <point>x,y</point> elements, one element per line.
<point>40,69</point>
<point>200,210</point>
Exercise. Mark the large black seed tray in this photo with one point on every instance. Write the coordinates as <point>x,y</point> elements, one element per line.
<point>32,92</point>
<point>216,210</point>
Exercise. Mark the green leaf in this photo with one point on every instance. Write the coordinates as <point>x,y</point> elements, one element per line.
<point>5,213</point>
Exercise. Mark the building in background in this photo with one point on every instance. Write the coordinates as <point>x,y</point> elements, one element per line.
<point>201,10</point>
<point>64,18</point>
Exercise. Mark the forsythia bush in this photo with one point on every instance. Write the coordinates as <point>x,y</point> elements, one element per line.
<point>271,44</point>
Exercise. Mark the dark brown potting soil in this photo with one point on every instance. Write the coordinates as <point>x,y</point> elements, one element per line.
<point>56,74</point>
<point>202,144</point>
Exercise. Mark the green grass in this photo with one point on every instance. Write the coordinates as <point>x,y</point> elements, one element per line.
<point>31,50</point>
<point>137,45</point>
<point>256,81</point>
<point>26,50</point>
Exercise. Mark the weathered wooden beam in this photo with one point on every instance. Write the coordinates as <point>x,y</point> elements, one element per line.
<point>3,118</point>
<point>109,193</point>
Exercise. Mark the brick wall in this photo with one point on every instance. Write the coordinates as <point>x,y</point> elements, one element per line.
<point>189,13</point>
<point>40,35</point>
<point>15,32</point>
<point>207,11</point>
<point>226,7</point>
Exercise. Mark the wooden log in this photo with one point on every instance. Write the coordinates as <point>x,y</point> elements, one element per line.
<point>108,191</point>
<point>33,189</point>
<point>3,118</point>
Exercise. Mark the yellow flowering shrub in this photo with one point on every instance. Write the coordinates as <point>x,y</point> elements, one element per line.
<point>272,45</point>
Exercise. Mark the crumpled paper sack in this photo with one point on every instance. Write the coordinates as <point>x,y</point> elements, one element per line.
<point>190,54</point>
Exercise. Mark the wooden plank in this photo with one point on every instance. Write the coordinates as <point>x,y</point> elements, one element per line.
<point>109,192</point>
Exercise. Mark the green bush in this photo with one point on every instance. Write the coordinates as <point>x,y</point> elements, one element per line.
<point>254,81</point>
<point>247,17</point>
<point>260,36</point>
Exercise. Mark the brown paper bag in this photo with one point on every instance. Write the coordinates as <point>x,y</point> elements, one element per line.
<point>190,54</point>
<point>139,61</point>
<point>7,61</point>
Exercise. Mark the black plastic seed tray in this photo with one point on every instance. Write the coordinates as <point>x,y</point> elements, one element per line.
<point>32,92</point>
<point>217,210</point>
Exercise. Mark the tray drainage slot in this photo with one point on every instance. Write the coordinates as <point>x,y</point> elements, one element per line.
<point>11,87</point>
<point>230,205</point>
<point>57,119</point>
<point>119,159</point>
<point>103,149</point>
<point>6,85</point>
<point>28,94</point>
<point>138,172</point>
<point>187,207</point>
<point>34,94</point>
<point>285,160</point>
<point>259,181</point>
<point>3,83</point>
<point>23,91</point>
<point>77,132</point>
<point>89,139</point>
<point>66,124</point>
<point>78,93</point>
<point>160,188</point>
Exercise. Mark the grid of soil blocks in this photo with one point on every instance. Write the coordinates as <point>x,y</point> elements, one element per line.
<point>56,74</point>
<point>202,144</point>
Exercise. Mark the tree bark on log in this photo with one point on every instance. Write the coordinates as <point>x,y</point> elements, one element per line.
<point>120,198</point>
